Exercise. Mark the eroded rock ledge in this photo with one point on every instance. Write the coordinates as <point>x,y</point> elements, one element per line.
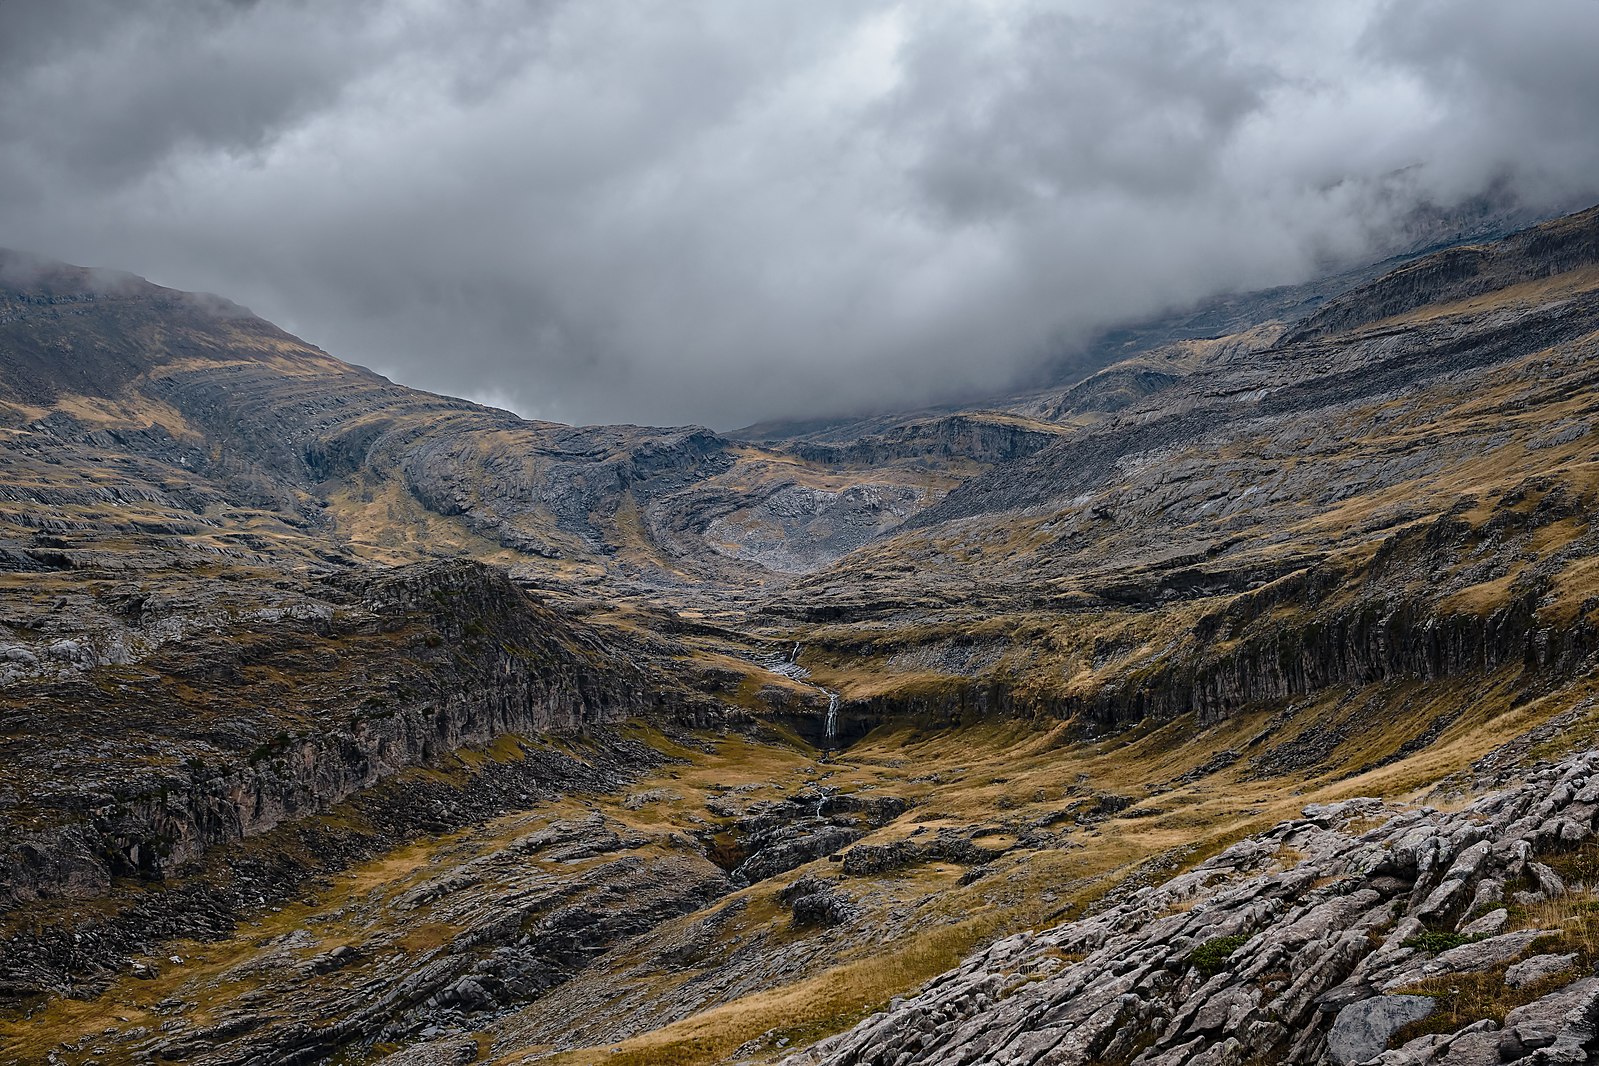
<point>252,726</point>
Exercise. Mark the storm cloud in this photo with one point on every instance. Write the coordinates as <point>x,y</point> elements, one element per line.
<point>719,212</point>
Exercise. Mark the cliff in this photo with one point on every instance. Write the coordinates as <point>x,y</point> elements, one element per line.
<point>240,725</point>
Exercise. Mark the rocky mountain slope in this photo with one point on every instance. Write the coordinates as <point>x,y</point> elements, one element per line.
<point>280,705</point>
<point>1400,497</point>
<point>1322,940</point>
<point>187,423</point>
<point>341,722</point>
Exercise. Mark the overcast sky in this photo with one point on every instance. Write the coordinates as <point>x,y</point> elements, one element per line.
<point>721,211</point>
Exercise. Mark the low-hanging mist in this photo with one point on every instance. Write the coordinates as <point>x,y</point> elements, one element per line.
<point>720,212</point>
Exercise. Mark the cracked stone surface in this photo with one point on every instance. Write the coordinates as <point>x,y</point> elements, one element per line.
<point>1328,913</point>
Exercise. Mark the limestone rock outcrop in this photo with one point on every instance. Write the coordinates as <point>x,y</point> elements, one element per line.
<point>1318,942</point>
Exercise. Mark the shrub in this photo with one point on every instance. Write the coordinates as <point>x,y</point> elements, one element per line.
<point>1433,941</point>
<point>1210,958</point>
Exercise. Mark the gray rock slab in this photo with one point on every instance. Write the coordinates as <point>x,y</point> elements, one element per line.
<point>1362,1030</point>
<point>1489,924</point>
<point>1531,971</point>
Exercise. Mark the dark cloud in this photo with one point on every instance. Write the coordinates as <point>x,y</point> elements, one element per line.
<point>726,211</point>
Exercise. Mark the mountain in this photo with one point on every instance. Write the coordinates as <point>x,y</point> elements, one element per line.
<point>1229,704</point>
<point>213,410</point>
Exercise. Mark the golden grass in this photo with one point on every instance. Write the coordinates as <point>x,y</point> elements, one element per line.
<point>803,1012</point>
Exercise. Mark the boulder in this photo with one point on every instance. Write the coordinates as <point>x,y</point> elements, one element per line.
<point>1564,1016</point>
<point>822,908</point>
<point>1490,924</point>
<point>1362,1030</point>
<point>1531,971</point>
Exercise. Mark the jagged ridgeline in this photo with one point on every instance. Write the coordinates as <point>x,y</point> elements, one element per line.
<point>1228,704</point>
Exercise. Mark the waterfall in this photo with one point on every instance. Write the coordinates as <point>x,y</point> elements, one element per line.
<point>785,663</point>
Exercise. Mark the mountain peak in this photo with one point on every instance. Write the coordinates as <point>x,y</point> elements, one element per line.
<point>72,330</point>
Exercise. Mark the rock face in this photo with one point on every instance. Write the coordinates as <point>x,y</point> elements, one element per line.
<point>1461,273</point>
<point>986,439</point>
<point>396,671</point>
<point>1317,942</point>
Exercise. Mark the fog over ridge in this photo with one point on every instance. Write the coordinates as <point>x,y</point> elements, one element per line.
<point>722,212</point>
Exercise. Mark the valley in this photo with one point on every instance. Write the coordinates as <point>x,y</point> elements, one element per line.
<point>346,723</point>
